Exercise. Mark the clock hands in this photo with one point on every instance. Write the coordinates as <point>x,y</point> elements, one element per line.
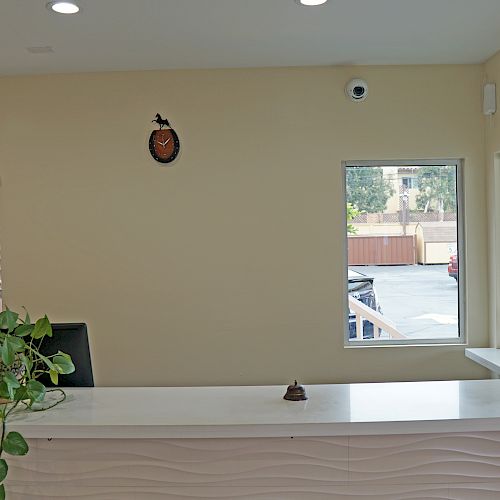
<point>163,144</point>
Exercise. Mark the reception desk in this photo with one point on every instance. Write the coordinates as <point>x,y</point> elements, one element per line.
<point>354,441</point>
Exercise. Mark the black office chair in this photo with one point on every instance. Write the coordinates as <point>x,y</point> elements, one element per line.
<point>72,339</point>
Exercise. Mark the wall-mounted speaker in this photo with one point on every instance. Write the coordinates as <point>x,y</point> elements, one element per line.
<point>489,99</point>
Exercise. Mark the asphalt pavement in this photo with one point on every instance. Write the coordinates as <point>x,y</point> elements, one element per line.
<point>422,301</point>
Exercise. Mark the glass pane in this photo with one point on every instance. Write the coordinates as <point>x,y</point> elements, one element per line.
<point>403,255</point>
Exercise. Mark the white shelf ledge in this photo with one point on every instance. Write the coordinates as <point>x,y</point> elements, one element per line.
<point>486,356</point>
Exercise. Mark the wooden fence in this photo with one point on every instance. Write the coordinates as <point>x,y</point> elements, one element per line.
<point>380,250</point>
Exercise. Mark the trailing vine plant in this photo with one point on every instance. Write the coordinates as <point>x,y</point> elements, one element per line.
<point>21,364</point>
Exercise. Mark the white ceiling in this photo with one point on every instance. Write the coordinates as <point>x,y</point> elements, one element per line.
<point>109,35</point>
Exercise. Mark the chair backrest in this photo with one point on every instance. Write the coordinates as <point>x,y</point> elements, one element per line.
<point>72,339</point>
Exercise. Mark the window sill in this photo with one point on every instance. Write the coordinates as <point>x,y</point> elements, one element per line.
<point>415,343</point>
<point>488,357</point>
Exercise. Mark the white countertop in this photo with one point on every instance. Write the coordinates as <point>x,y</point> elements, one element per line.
<point>261,411</point>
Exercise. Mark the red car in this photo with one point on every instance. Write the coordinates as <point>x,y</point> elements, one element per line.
<point>453,266</point>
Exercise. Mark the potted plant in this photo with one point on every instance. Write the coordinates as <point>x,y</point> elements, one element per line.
<point>21,364</point>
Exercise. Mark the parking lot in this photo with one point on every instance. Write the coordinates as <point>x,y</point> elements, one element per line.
<point>422,301</point>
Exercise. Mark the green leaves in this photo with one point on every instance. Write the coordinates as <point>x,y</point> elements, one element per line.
<point>10,346</point>
<point>437,188</point>
<point>23,330</point>
<point>42,328</point>
<point>35,391</point>
<point>4,393</point>
<point>3,469</point>
<point>26,362</point>
<point>3,474</point>
<point>47,361</point>
<point>15,444</point>
<point>8,351</point>
<point>351,212</point>
<point>63,363</point>
<point>21,364</point>
<point>27,319</point>
<point>54,377</point>
<point>8,320</point>
<point>367,189</point>
<point>11,383</point>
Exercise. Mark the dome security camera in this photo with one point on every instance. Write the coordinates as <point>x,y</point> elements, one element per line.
<point>356,89</point>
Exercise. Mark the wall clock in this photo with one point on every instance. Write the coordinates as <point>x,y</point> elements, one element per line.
<point>164,144</point>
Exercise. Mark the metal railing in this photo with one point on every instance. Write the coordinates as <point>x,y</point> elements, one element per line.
<point>380,323</point>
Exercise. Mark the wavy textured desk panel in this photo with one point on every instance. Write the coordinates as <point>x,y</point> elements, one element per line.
<point>186,462</point>
<point>435,466</point>
<point>478,491</point>
<point>432,458</point>
<point>338,493</point>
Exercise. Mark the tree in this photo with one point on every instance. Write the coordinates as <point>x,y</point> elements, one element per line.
<point>367,189</point>
<point>437,189</point>
<point>351,213</point>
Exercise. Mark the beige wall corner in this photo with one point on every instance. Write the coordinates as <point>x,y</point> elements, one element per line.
<point>492,160</point>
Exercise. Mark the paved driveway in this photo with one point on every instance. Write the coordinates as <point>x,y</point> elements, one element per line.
<point>422,301</point>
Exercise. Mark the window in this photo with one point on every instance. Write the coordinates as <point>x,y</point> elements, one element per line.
<point>404,246</point>
<point>410,182</point>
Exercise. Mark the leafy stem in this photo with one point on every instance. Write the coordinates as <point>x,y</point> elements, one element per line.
<point>21,365</point>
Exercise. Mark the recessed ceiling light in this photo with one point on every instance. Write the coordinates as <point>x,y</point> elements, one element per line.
<point>63,7</point>
<point>310,3</point>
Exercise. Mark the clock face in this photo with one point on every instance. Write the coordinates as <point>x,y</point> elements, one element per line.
<point>164,145</point>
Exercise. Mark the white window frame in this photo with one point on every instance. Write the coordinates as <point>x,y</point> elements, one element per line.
<point>495,283</point>
<point>461,249</point>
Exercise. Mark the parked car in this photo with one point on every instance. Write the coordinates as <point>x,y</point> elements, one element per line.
<point>453,266</point>
<point>360,286</point>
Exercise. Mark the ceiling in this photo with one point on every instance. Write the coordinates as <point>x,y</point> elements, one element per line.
<point>111,35</point>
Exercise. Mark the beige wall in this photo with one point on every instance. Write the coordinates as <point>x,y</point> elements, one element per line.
<point>227,267</point>
<point>492,140</point>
